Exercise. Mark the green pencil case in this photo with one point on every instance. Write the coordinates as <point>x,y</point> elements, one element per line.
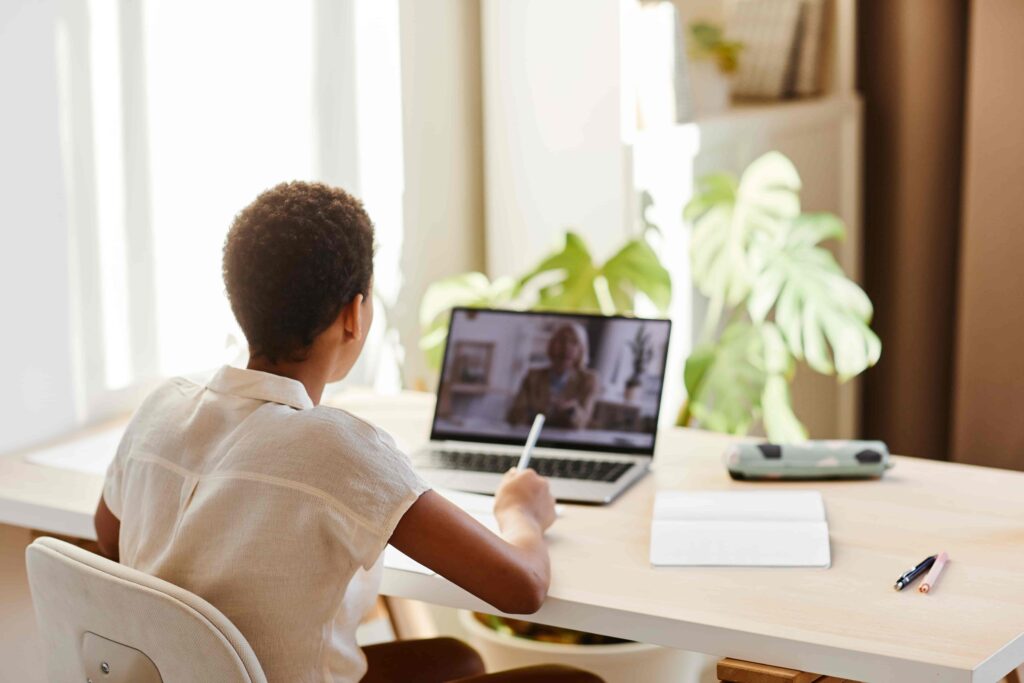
<point>808,460</point>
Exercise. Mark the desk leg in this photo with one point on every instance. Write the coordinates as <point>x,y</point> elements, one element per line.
<point>410,620</point>
<point>738,671</point>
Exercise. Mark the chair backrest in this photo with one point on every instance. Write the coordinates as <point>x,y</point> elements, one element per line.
<point>102,621</point>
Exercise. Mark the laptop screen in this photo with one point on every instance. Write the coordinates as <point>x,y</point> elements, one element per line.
<point>597,379</point>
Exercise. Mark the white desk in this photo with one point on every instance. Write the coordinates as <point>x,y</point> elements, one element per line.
<point>845,621</point>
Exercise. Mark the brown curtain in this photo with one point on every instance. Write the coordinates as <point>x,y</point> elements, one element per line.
<point>988,406</point>
<point>942,234</point>
<point>911,73</point>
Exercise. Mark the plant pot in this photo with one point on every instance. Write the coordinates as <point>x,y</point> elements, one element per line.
<point>711,90</point>
<point>618,663</point>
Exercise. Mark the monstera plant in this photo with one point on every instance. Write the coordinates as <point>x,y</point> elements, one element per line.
<point>567,280</point>
<point>775,297</point>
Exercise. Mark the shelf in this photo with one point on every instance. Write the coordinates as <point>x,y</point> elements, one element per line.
<point>789,112</point>
<point>763,116</point>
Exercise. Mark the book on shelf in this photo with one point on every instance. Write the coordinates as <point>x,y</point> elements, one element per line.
<point>783,46</point>
<point>810,61</point>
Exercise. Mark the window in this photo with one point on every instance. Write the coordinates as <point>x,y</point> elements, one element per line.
<point>174,117</point>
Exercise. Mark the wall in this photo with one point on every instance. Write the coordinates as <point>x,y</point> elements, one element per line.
<point>442,124</point>
<point>554,153</point>
<point>987,428</point>
<point>35,352</point>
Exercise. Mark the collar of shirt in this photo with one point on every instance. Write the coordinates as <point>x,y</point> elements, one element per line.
<point>262,386</point>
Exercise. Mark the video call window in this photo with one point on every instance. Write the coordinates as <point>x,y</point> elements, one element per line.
<point>597,380</point>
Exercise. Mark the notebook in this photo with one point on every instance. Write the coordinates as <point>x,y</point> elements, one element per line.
<point>740,529</point>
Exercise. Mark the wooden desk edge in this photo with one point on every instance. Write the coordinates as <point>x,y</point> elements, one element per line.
<point>66,522</point>
<point>755,647</point>
<point>1001,663</point>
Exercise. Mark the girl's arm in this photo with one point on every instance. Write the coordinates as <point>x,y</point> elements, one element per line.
<point>511,572</point>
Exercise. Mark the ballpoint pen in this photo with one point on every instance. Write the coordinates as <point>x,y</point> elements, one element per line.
<point>933,575</point>
<point>524,459</point>
<point>912,574</point>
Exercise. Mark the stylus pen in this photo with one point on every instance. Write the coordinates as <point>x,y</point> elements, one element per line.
<point>933,575</point>
<point>524,459</point>
<point>912,574</point>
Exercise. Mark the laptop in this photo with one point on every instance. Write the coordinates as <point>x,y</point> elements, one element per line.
<point>597,379</point>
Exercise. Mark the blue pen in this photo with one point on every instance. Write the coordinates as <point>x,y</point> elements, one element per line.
<point>907,577</point>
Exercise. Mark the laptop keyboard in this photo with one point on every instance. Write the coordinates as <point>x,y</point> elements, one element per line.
<point>558,468</point>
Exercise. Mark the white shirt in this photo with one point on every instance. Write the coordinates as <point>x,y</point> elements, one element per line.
<point>273,510</point>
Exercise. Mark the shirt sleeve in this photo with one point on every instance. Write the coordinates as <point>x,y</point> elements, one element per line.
<point>113,483</point>
<point>377,487</point>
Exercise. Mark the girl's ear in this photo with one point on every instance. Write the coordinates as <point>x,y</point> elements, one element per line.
<point>353,319</point>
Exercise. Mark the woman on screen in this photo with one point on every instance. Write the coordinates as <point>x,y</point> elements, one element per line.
<point>565,389</point>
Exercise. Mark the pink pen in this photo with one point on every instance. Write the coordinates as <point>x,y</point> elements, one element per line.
<point>933,575</point>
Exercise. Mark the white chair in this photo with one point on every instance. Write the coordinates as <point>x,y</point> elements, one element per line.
<point>107,623</point>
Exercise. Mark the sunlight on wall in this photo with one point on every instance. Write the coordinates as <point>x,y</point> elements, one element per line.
<point>108,127</point>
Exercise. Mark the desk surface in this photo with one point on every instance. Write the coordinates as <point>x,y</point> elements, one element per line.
<point>845,621</point>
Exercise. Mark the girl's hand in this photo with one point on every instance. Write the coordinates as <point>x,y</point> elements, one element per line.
<point>528,493</point>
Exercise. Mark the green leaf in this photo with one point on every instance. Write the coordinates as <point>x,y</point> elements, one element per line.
<point>780,423</point>
<point>815,349</point>
<point>787,317</point>
<point>568,277</point>
<point>725,380</point>
<point>713,190</point>
<point>741,378</point>
<point>569,280</point>
<point>813,228</point>
<point>769,192</point>
<point>766,292</point>
<point>728,218</point>
<point>458,290</point>
<point>777,359</point>
<point>432,344</point>
<point>696,368</point>
<point>636,268</point>
<point>467,289</point>
<point>822,315</point>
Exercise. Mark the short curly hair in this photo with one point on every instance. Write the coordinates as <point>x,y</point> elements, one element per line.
<point>292,259</point>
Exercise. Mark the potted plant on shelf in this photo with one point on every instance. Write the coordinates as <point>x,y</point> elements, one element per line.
<point>713,61</point>
<point>775,297</point>
<point>640,346</point>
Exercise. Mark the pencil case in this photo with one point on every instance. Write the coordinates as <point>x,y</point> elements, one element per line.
<point>808,460</point>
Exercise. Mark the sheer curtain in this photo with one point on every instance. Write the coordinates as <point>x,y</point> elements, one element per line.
<point>175,115</point>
